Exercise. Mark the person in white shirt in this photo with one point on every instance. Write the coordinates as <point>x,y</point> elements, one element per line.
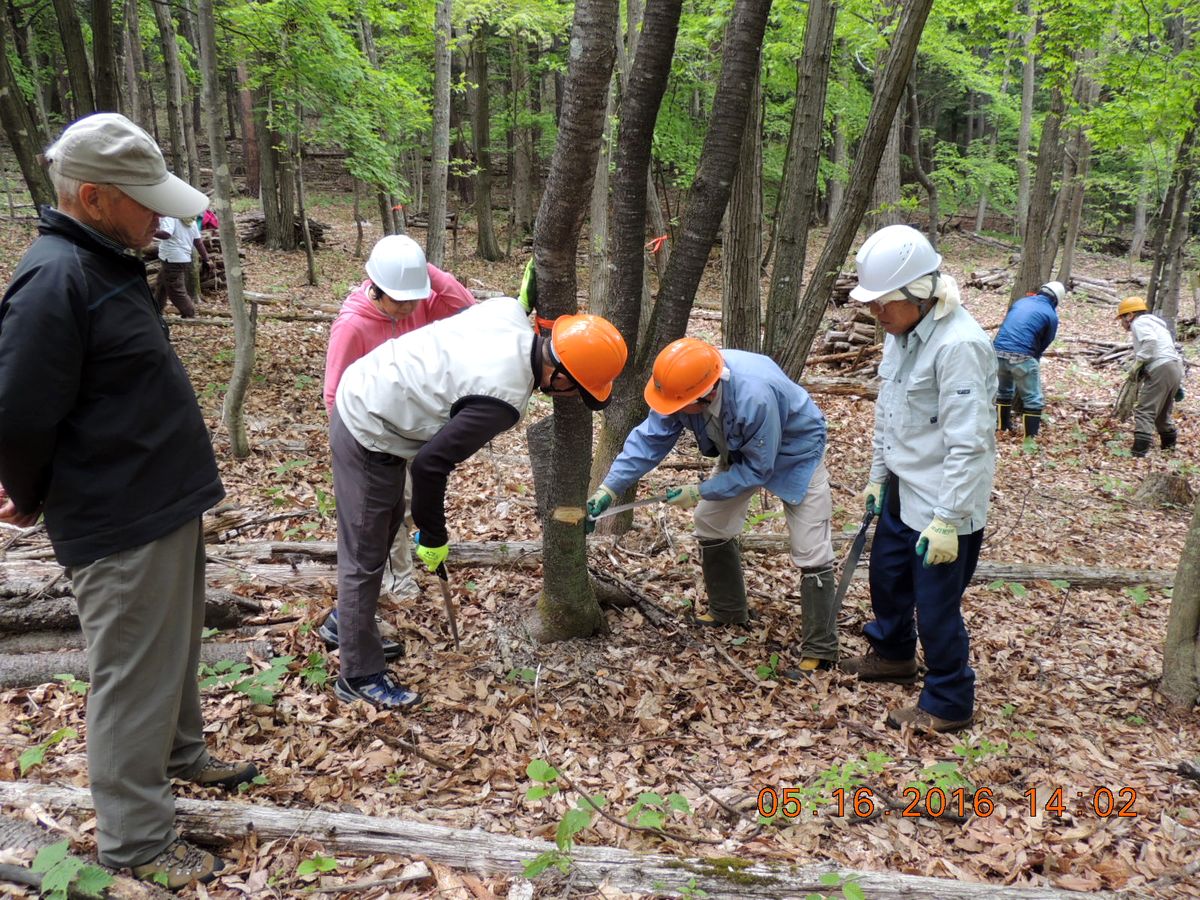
<point>932,466</point>
<point>1159,369</point>
<point>176,239</point>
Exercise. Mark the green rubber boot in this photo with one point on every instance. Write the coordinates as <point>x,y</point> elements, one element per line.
<point>721,562</point>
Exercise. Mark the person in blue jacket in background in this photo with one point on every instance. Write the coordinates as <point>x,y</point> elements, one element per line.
<point>1028,329</point>
<point>767,433</point>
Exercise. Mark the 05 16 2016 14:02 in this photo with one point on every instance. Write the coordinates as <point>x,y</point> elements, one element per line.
<point>861,802</point>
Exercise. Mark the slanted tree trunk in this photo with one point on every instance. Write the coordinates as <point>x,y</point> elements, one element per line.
<point>83,100</point>
<point>914,152</point>
<point>522,138</point>
<point>1169,233</point>
<point>439,161</point>
<point>298,164</point>
<point>174,76</point>
<point>1181,650</point>
<point>1034,266</point>
<point>487,245</point>
<point>104,56</point>
<point>20,128</point>
<point>741,248</point>
<point>890,84</point>
<point>243,325</point>
<point>567,607</point>
<point>1088,94</point>
<point>140,108</point>
<point>1025,129</point>
<point>798,195</point>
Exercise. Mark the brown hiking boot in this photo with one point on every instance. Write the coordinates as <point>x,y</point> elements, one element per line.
<point>924,721</point>
<point>226,775</point>
<point>178,865</point>
<point>873,667</point>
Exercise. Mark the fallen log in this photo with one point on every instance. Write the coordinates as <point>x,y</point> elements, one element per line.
<point>20,670</point>
<point>24,608</point>
<point>478,851</point>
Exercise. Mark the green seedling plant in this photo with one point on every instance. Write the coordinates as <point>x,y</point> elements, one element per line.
<point>768,671</point>
<point>73,684</point>
<point>819,794</point>
<point>849,887</point>
<point>1140,595</point>
<point>1017,590</point>
<point>36,755</point>
<point>285,467</point>
<point>256,781</point>
<point>572,823</point>
<point>258,686</point>
<point>64,875</point>
<point>316,865</point>
<point>326,503</point>
<point>651,810</point>
<point>524,674</point>
<point>314,671</point>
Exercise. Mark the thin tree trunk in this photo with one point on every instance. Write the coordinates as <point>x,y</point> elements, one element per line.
<point>189,110</point>
<point>20,128</point>
<point>83,100</point>
<point>487,245</point>
<point>174,76</point>
<point>1032,270</point>
<point>1138,240</point>
<point>285,167</point>
<point>243,325</point>
<point>839,156</point>
<point>741,249</point>
<point>1087,94</point>
<point>1174,203</point>
<point>268,170</point>
<point>104,56</point>
<point>885,195</point>
<point>914,152</point>
<point>250,144</point>
<point>439,161</point>
<point>299,168</point>
<point>1181,649</point>
<point>133,86</point>
<point>522,174</point>
<point>358,225</point>
<point>599,265</point>
<point>1025,132</point>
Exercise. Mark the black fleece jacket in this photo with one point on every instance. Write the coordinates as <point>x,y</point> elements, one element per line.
<point>99,425</point>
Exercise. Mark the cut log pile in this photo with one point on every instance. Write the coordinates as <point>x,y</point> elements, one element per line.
<point>845,283</point>
<point>252,229</point>
<point>990,279</point>
<point>850,344</point>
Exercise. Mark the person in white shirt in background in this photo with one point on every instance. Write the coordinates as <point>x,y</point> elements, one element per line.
<point>176,239</point>
<point>1159,369</point>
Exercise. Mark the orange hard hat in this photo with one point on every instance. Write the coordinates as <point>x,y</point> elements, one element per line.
<point>592,353</point>
<point>1131,305</point>
<point>684,372</point>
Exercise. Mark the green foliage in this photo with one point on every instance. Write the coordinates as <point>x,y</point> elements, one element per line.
<point>314,671</point>
<point>545,775</point>
<point>316,864</point>
<point>258,686</point>
<point>819,792</point>
<point>36,755</point>
<point>768,670</point>
<point>63,874</point>
<point>73,684</point>
<point>1140,595</point>
<point>849,887</point>
<point>652,809</point>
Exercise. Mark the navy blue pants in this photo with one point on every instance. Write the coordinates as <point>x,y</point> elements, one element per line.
<point>900,585</point>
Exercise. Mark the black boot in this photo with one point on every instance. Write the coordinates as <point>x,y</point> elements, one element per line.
<point>1168,439</point>
<point>1033,422</point>
<point>1141,444</point>
<point>721,562</point>
<point>1004,411</point>
<point>819,637</point>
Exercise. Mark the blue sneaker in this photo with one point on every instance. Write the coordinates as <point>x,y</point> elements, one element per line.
<point>379,690</point>
<point>329,634</point>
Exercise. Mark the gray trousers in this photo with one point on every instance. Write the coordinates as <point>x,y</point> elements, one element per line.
<point>1156,398</point>
<point>142,612</point>
<point>369,487</point>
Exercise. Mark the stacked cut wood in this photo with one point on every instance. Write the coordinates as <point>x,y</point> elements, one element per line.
<point>850,343</point>
<point>1097,290</point>
<point>842,287</point>
<point>990,279</point>
<point>252,228</point>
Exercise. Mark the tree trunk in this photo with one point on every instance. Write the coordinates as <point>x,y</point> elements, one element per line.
<point>104,56</point>
<point>741,249</point>
<point>1169,233</point>
<point>268,192</point>
<point>1033,267</point>
<point>286,177</point>
<point>839,156</point>
<point>250,144</point>
<point>486,244</point>
<point>798,194</point>
<point>567,607</point>
<point>1025,131</point>
<point>140,108</point>
<point>885,195</point>
<point>70,31</point>
<point>22,132</point>
<point>914,151</point>
<point>1181,650</point>
<point>522,137</point>
<point>174,76</point>
<point>890,85</point>
<point>1138,240</point>
<point>599,266</point>
<point>243,326</point>
<point>439,161</point>
<point>189,109</point>
<point>309,257</point>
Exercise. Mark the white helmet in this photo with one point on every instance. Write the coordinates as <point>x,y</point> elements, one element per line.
<point>891,258</point>
<point>397,266</point>
<point>1054,290</point>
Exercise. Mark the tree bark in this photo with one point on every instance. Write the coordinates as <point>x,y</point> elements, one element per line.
<point>139,108</point>
<point>567,607</point>
<point>83,101</point>
<point>889,89</point>
<point>20,128</point>
<point>30,610</point>
<point>1034,266</point>
<point>268,191</point>
<point>174,76</point>
<point>104,56</point>
<point>1025,129</point>
<point>885,194</point>
<point>1170,233</point>
<point>599,265</point>
<point>914,152</point>
<point>439,161</point>
<point>250,153</point>
<point>798,195</point>
<point>741,249</point>
<point>486,244</point>
<point>189,108</point>
<point>522,137</point>
<point>1181,650</point>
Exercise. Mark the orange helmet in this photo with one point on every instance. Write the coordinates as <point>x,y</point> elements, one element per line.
<point>592,353</point>
<point>684,372</point>
<point>1131,305</point>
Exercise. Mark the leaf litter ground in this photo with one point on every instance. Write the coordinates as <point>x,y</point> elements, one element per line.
<point>1066,677</point>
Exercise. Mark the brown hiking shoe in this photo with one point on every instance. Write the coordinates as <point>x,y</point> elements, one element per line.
<point>873,667</point>
<point>924,721</point>
<point>226,775</point>
<point>179,865</point>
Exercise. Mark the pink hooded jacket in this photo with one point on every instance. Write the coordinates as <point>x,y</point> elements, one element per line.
<point>359,327</point>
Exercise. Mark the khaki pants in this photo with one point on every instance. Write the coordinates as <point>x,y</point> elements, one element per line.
<point>142,611</point>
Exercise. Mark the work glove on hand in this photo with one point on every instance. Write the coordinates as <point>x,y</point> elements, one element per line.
<point>597,503</point>
<point>873,497</point>
<point>432,557</point>
<point>684,497</point>
<point>1139,370</point>
<point>528,293</point>
<point>938,543</point>
<point>1179,395</point>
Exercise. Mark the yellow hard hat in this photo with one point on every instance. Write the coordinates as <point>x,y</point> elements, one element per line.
<point>1132,305</point>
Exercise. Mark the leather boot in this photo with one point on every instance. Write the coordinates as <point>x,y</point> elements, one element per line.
<point>1141,444</point>
<point>1004,411</point>
<point>721,562</point>
<point>1168,439</point>
<point>819,639</point>
<point>1033,422</point>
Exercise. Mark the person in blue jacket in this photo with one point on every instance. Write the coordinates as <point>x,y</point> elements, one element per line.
<point>766,433</point>
<point>1028,329</point>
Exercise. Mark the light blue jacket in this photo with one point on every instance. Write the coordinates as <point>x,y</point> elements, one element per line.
<point>774,431</point>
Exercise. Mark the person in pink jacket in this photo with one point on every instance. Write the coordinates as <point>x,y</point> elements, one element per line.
<point>402,293</point>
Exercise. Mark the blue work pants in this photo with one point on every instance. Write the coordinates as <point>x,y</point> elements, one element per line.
<point>1023,379</point>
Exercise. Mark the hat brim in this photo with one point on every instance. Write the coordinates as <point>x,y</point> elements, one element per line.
<point>861,295</point>
<point>172,197</point>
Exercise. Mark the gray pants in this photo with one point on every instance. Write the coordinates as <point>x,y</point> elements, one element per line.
<point>369,487</point>
<point>1156,398</point>
<point>142,611</point>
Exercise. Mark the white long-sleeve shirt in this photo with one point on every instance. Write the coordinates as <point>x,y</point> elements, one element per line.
<point>935,421</point>
<point>1152,341</point>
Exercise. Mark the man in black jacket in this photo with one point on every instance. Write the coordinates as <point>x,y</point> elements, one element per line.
<point>100,432</point>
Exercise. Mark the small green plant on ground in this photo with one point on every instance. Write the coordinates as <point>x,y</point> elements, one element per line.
<point>314,671</point>
<point>316,865</point>
<point>64,875</point>
<point>36,755</point>
<point>1140,595</point>
<point>653,809</point>
<point>256,781</point>
<point>73,684</point>
<point>850,888</point>
<point>819,794</point>
<point>258,686</point>
<point>1016,589</point>
<point>769,670</point>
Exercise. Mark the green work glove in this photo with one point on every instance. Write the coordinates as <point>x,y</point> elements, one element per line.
<point>873,497</point>
<point>528,293</point>
<point>1179,395</point>
<point>684,497</point>
<point>432,557</point>
<point>938,543</point>
<point>600,501</point>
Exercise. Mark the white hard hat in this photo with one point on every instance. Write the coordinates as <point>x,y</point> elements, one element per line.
<point>1053,289</point>
<point>891,258</point>
<point>397,266</point>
